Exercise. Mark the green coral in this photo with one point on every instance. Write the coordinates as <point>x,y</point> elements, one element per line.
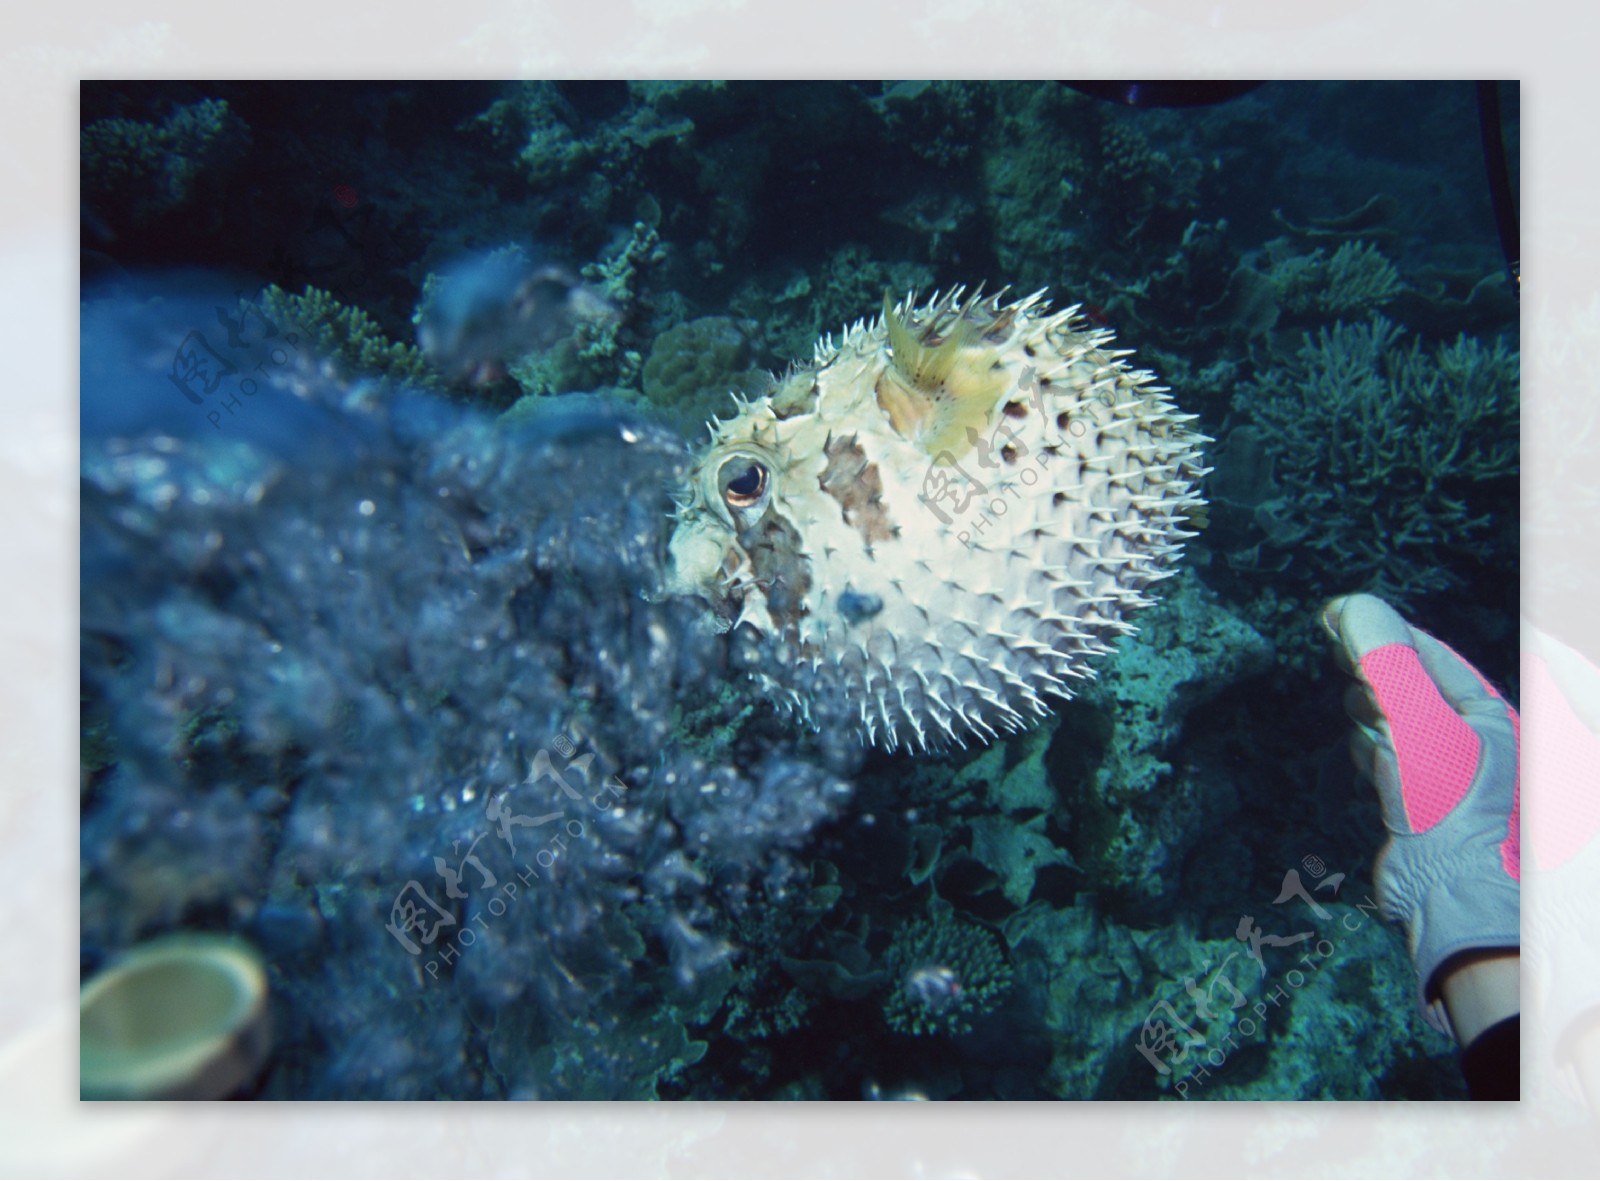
<point>597,355</point>
<point>812,304</point>
<point>1357,278</point>
<point>1035,173</point>
<point>939,121</point>
<point>152,169</point>
<point>946,972</point>
<point>593,164</point>
<point>1383,449</point>
<point>536,122</point>
<point>618,278</point>
<point>347,337</point>
<point>693,368</point>
<point>554,146</point>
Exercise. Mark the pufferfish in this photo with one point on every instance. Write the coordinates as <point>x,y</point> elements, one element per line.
<point>943,518</point>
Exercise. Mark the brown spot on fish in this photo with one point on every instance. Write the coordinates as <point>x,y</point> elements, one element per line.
<point>858,488</point>
<point>781,571</point>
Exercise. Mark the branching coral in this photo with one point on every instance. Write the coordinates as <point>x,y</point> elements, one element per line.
<point>1383,448</point>
<point>151,169</point>
<point>1303,288</point>
<point>346,338</point>
<point>1357,278</point>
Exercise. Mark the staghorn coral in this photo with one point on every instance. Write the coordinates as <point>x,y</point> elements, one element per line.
<point>1383,450</point>
<point>346,339</point>
<point>149,170</point>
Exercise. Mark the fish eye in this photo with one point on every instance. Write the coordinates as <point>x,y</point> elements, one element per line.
<point>744,482</point>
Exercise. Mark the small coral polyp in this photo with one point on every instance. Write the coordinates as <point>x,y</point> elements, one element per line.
<point>946,972</point>
<point>990,477</point>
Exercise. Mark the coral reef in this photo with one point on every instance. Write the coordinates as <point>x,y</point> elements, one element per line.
<point>1031,192</point>
<point>1304,289</point>
<point>1378,446</point>
<point>941,121</point>
<point>1356,279</point>
<point>1135,813</point>
<point>1130,1013</point>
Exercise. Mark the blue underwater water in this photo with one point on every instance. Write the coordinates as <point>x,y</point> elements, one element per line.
<point>385,388</point>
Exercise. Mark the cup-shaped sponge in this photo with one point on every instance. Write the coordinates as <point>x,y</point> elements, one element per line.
<point>182,1017</point>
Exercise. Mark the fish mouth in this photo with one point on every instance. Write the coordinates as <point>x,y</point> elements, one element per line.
<point>701,563</point>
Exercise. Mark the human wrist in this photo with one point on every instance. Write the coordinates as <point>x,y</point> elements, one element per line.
<point>1480,989</point>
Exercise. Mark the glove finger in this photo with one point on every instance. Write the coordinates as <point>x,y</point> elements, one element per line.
<point>1428,751</point>
<point>1329,618</point>
<point>1361,623</point>
<point>1375,761</point>
<point>1364,623</point>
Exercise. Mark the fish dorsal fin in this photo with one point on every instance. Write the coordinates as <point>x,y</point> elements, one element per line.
<point>938,388</point>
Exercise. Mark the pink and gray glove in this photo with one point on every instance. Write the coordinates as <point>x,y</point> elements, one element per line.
<point>1441,746</point>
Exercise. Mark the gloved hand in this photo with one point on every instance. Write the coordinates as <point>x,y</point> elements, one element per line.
<point>1441,746</point>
